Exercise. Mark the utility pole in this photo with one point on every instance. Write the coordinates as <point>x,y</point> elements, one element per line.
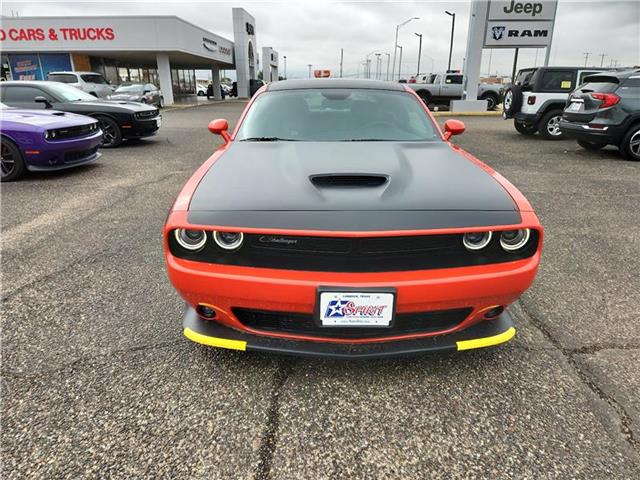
<point>309,65</point>
<point>341,59</point>
<point>586,57</point>
<point>285,67</point>
<point>400,63</point>
<point>395,43</point>
<point>378,62</point>
<point>515,65</point>
<point>602,55</point>
<point>453,28</point>
<point>388,61</point>
<point>419,35</point>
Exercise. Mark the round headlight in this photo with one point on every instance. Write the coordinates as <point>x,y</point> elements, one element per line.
<point>228,240</point>
<point>512,240</point>
<point>191,239</point>
<point>476,240</point>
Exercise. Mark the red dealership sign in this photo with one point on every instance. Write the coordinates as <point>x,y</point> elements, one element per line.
<point>92,34</point>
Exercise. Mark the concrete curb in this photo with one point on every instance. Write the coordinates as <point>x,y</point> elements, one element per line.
<point>203,104</point>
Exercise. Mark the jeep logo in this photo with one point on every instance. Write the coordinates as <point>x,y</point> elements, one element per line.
<point>529,8</point>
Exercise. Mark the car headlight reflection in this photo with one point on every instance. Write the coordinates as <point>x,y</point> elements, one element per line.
<point>476,240</point>
<point>191,239</point>
<point>512,240</point>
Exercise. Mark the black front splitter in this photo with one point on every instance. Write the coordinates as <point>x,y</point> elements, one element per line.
<point>484,334</point>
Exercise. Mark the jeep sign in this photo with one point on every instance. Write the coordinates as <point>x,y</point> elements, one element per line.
<point>518,34</point>
<point>523,10</point>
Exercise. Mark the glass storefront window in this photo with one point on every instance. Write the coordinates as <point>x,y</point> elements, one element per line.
<point>123,74</point>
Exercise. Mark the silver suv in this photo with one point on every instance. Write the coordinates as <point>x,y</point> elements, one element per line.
<point>90,82</point>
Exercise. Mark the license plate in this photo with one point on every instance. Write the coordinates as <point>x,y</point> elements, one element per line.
<point>356,309</point>
<point>159,121</point>
<point>574,107</point>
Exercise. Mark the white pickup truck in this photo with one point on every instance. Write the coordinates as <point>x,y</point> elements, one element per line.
<point>444,87</point>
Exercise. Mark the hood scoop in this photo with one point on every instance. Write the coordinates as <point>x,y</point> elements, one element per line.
<point>348,180</point>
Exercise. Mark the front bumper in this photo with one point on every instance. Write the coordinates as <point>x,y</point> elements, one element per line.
<point>484,334</point>
<point>612,134</point>
<point>141,128</point>
<point>62,154</point>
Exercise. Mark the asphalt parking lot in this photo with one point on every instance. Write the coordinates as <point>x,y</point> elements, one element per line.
<point>97,380</point>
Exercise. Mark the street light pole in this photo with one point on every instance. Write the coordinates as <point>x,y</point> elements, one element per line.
<point>309,65</point>
<point>419,53</point>
<point>378,66</point>
<point>285,67</point>
<point>400,63</point>
<point>453,28</point>
<point>388,61</point>
<point>395,42</point>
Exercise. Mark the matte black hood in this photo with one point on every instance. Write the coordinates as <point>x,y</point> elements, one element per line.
<point>405,186</point>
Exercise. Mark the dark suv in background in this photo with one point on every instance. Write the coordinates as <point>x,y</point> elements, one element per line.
<point>605,110</point>
<point>538,96</point>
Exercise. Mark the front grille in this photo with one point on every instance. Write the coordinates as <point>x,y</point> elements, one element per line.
<point>146,114</point>
<point>76,156</point>
<point>304,324</point>
<point>344,254</point>
<point>72,132</point>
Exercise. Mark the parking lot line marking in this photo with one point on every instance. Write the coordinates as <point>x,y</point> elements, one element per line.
<point>214,341</point>
<point>486,341</point>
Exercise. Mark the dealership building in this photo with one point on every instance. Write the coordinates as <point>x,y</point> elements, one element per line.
<point>164,50</point>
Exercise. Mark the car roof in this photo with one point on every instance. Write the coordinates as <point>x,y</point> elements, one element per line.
<point>33,83</point>
<point>79,73</point>
<point>344,83</point>
<point>617,74</point>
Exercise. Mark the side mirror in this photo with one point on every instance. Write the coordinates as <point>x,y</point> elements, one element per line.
<point>41,99</point>
<point>220,127</point>
<point>453,127</point>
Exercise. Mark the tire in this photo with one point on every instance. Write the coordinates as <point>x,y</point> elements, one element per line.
<point>492,101</point>
<point>549,126</point>
<point>593,146</point>
<point>525,129</point>
<point>425,96</point>
<point>512,101</point>
<point>161,102</point>
<point>12,166</point>
<point>200,93</point>
<point>111,133</point>
<point>630,146</point>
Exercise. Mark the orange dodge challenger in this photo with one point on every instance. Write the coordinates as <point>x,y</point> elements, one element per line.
<point>338,220</point>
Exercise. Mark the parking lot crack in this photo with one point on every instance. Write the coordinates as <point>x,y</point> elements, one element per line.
<point>570,355</point>
<point>270,434</point>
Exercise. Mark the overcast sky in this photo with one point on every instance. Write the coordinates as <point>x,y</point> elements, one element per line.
<point>313,31</point>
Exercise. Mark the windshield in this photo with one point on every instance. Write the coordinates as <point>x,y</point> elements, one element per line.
<point>337,115</point>
<point>135,88</point>
<point>93,78</point>
<point>68,93</point>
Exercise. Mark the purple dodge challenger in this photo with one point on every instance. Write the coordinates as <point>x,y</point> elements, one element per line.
<point>42,140</point>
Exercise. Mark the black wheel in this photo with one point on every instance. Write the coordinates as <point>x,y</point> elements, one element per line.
<point>425,96</point>
<point>12,165</point>
<point>630,146</point>
<point>525,129</point>
<point>549,126</point>
<point>111,134</point>
<point>591,145</point>
<point>200,93</point>
<point>512,101</point>
<point>492,101</point>
<point>161,102</point>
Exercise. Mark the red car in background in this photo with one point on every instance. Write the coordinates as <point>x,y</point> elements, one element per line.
<point>338,220</point>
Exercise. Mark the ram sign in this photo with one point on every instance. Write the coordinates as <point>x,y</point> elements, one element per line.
<point>511,23</point>
<point>518,34</point>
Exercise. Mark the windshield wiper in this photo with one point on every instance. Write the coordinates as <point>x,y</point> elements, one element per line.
<point>369,140</point>
<point>267,139</point>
